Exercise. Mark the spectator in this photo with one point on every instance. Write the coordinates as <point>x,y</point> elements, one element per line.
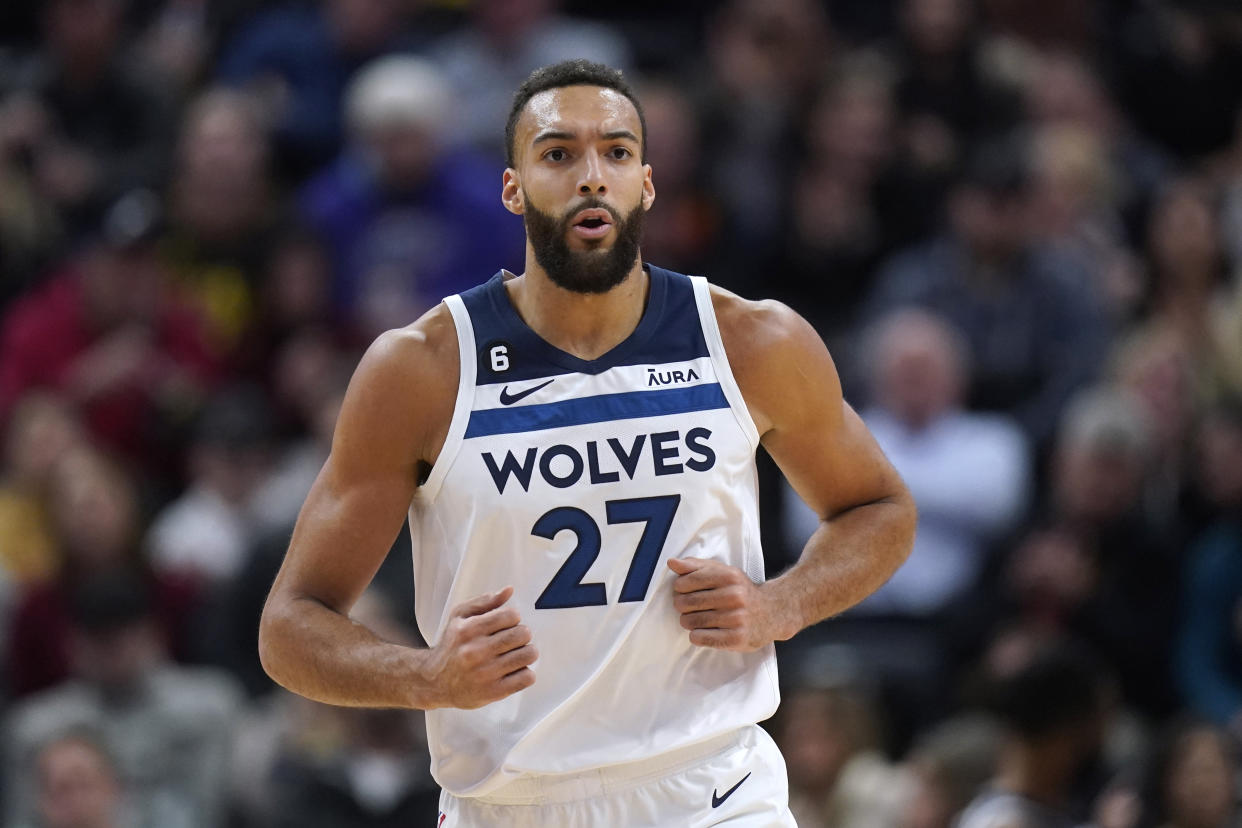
<point>1181,75</point>
<point>1156,366</point>
<point>504,42</point>
<point>1035,329</point>
<point>368,770</point>
<point>1092,564</point>
<point>838,777</point>
<point>1188,295</point>
<point>764,61</point>
<point>1061,89</point>
<point>948,767</point>
<point>950,97</point>
<point>96,523</point>
<point>177,39</point>
<point>969,473</point>
<point>1075,211</point>
<point>205,534</point>
<point>222,212</point>
<point>947,97</point>
<point>1192,782</point>
<point>41,430</point>
<point>293,302</point>
<point>377,777</point>
<point>1188,781</point>
<point>684,230</point>
<point>1209,656</point>
<point>108,335</point>
<point>1053,710</point>
<point>277,503</point>
<point>30,227</point>
<point>409,218</point>
<point>171,727</point>
<point>298,60</point>
<point>840,220</point>
<point>99,125</point>
<point>275,727</point>
<point>78,784</point>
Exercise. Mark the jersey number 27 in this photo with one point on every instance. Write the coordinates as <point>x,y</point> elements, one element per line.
<point>566,588</point>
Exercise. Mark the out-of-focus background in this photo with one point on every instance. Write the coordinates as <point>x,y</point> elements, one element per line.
<point>1018,226</point>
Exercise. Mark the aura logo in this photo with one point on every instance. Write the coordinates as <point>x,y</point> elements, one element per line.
<point>655,377</point>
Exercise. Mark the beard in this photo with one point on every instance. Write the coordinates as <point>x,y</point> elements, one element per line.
<point>596,270</point>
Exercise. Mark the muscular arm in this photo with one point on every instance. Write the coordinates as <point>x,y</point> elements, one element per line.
<point>392,424</point>
<point>867,516</point>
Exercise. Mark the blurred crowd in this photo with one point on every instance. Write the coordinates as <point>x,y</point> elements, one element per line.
<point>1017,225</point>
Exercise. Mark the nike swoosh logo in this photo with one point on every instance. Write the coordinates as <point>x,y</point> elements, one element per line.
<point>509,399</point>
<point>717,801</point>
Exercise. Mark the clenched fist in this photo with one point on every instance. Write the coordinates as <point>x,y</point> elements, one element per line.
<point>721,606</point>
<point>484,655</point>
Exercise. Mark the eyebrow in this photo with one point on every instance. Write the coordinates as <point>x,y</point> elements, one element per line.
<point>554,135</point>
<point>562,135</point>
<point>620,133</point>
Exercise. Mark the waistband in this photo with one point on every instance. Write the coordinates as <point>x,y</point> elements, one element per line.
<point>548,789</point>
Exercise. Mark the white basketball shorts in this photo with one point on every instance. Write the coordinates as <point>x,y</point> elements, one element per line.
<point>737,780</point>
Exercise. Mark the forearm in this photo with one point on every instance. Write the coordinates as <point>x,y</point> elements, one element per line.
<point>845,560</point>
<point>314,651</point>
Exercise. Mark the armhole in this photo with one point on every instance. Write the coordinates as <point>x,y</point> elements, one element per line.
<point>465,397</point>
<point>716,349</point>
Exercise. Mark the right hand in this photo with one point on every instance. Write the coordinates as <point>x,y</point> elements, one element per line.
<point>484,655</point>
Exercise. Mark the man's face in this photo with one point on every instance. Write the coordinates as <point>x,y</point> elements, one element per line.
<point>117,660</point>
<point>993,225</point>
<point>77,788</point>
<point>919,374</point>
<point>580,185</point>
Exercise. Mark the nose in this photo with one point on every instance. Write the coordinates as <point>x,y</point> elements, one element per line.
<point>592,181</point>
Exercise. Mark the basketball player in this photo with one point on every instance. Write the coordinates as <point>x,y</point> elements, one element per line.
<point>575,449</point>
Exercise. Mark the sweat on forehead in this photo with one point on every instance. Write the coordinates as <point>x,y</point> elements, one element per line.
<point>580,112</point>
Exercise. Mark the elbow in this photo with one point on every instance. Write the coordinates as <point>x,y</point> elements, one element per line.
<point>271,626</point>
<point>905,522</point>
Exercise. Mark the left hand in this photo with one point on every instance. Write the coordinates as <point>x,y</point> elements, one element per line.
<point>721,606</point>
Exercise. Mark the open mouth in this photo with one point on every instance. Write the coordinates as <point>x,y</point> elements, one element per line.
<point>593,223</point>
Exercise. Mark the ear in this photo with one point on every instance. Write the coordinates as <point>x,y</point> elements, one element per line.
<point>511,192</point>
<point>648,187</point>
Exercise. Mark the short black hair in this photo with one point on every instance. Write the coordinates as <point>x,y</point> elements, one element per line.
<point>578,72</point>
<point>1062,686</point>
<point>111,601</point>
<point>1000,167</point>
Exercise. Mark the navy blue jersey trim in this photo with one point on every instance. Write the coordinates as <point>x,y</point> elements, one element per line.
<point>668,331</point>
<point>598,409</point>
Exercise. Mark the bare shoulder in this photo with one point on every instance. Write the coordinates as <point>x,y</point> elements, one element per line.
<point>760,329</point>
<point>775,354</point>
<point>404,388</point>
<point>430,342</point>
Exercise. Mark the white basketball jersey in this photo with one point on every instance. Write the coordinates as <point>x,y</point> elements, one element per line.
<point>575,480</point>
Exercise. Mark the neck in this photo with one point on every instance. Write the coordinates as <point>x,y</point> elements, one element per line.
<point>587,325</point>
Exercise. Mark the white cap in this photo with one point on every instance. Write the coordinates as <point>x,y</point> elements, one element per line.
<point>399,90</point>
